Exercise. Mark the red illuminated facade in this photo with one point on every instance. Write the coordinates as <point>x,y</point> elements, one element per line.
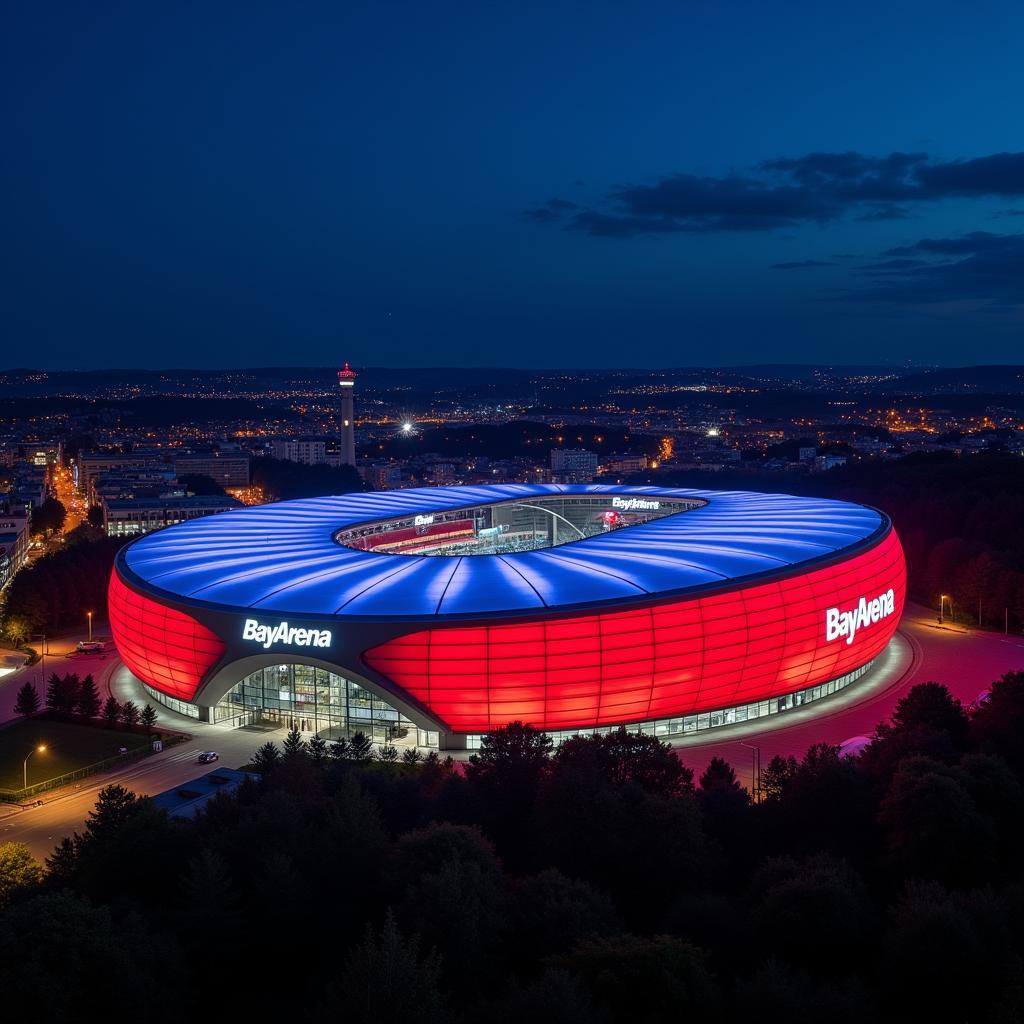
<point>673,658</point>
<point>748,645</point>
<point>162,646</point>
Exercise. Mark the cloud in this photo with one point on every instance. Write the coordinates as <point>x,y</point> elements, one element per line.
<point>975,241</point>
<point>887,211</point>
<point>801,264</point>
<point>817,188</point>
<point>999,214</point>
<point>553,209</point>
<point>979,266</point>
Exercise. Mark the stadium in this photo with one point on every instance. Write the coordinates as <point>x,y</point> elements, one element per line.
<point>433,615</point>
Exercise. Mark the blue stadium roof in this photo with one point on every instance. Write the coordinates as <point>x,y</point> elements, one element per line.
<point>283,557</point>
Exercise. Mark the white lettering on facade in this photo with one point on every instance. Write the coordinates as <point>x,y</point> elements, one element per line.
<point>282,633</point>
<point>422,520</point>
<point>636,504</point>
<point>864,613</point>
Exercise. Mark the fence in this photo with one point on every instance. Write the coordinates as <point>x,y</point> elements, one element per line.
<point>15,796</point>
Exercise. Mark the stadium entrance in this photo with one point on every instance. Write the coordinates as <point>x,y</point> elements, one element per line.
<point>314,700</point>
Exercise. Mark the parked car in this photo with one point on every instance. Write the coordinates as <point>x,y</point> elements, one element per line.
<point>91,646</point>
<point>208,757</point>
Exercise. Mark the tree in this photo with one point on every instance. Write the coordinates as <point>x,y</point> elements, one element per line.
<point>266,758</point>
<point>114,806</point>
<point>931,705</point>
<point>27,702</point>
<point>934,828</point>
<point>388,753</point>
<point>340,749</point>
<point>88,698</point>
<point>623,758</point>
<point>111,712</point>
<point>814,912</point>
<point>505,777</point>
<point>928,721</point>
<point>115,965</point>
<point>513,751</point>
<point>62,694</point>
<point>294,745</point>
<point>318,749</point>
<point>48,517</point>
<point>360,747</point>
<point>95,516</point>
<point>388,962</point>
<point>18,870</point>
<point>147,719</point>
<point>411,755</point>
<point>63,862</point>
<point>645,980</point>
<point>17,629</point>
<point>998,725</point>
<point>129,714</point>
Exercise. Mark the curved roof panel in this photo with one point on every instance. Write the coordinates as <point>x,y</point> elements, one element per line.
<point>284,558</point>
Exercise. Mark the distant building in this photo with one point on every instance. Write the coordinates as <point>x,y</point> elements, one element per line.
<point>619,464</point>
<point>229,469</point>
<point>187,800</point>
<point>823,463</point>
<point>91,464</point>
<point>381,476</point>
<point>143,515</point>
<point>14,539</point>
<point>573,465</point>
<point>136,482</point>
<point>310,451</point>
<point>347,383</point>
<point>807,454</point>
<point>41,453</point>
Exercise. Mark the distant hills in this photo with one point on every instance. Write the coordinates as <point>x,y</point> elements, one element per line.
<point>508,382</point>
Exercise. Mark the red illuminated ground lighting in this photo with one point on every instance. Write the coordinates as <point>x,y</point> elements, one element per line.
<point>162,646</point>
<point>663,660</point>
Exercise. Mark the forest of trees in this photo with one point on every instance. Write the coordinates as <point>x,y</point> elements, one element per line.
<point>961,521</point>
<point>599,882</point>
<point>56,591</point>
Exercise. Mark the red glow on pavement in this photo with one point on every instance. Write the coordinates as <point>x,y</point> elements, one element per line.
<point>671,659</point>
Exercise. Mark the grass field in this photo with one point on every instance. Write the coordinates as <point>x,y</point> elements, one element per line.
<point>68,748</point>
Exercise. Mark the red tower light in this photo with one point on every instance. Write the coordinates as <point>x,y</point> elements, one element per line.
<point>347,374</point>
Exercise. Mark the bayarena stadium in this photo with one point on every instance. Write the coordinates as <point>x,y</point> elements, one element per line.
<point>431,616</point>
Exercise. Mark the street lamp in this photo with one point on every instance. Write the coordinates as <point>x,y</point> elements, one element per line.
<point>89,615</point>
<point>41,749</point>
<point>943,598</point>
<point>755,770</point>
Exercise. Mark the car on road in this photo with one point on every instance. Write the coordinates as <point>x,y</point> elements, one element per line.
<point>91,646</point>
<point>208,757</point>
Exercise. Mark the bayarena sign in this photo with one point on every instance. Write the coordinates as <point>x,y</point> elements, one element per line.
<point>450,611</point>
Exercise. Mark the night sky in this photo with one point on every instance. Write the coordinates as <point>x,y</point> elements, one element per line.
<point>531,184</point>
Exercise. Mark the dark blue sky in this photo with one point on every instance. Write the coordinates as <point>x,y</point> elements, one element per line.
<point>538,184</point>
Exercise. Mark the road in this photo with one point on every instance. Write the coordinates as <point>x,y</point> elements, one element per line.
<point>63,484</point>
<point>64,811</point>
<point>965,661</point>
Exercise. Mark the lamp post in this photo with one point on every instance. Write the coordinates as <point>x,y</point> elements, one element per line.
<point>943,598</point>
<point>89,616</point>
<point>755,772</point>
<point>41,749</point>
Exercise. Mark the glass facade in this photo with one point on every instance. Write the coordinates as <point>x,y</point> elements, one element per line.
<point>181,706</point>
<point>318,701</point>
<point>686,725</point>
